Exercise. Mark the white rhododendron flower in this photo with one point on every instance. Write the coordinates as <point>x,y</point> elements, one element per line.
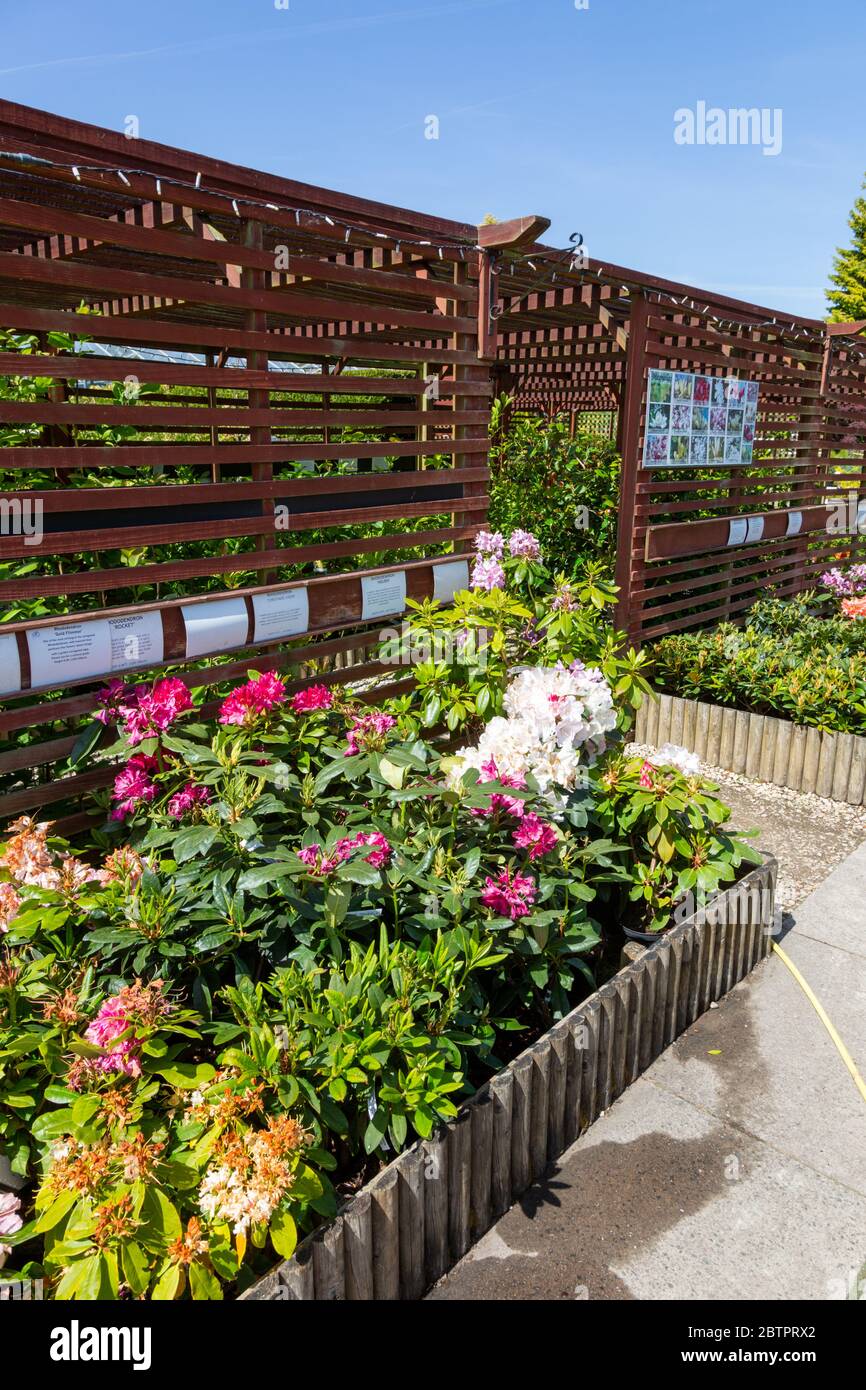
<point>557,718</point>
<point>671,755</point>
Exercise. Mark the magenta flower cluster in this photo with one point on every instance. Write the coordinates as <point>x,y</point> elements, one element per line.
<point>315,697</point>
<point>321,864</point>
<point>246,704</point>
<point>367,732</point>
<point>119,1057</point>
<point>192,795</point>
<point>509,894</point>
<point>143,712</point>
<point>134,784</point>
<point>509,805</point>
<point>535,836</point>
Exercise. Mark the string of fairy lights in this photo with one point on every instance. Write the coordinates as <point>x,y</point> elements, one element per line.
<point>573,255</point>
<point>576,264</point>
<point>439,245</point>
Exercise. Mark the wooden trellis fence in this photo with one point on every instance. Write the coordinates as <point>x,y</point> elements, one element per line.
<point>214,512</point>
<point>199,514</point>
<point>700,537</point>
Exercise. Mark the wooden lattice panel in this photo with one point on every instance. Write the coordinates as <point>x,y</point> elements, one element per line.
<point>311,333</point>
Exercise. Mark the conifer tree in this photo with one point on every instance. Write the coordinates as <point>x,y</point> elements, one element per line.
<point>847,294</point>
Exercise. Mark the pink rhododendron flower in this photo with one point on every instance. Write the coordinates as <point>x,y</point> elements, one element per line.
<point>523,545</point>
<point>135,1004</point>
<point>247,703</point>
<point>488,574</point>
<point>320,864</point>
<point>133,785</point>
<point>509,895</point>
<point>313,698</point>
<point>111,700</point>
<point>145,713</point>
<point>509,805</point>
<point>646,775</point>
<point>489,543</point>
<point>10,1221</point>
<point>368,732</point>
<point>380,856</point>
<point>535,835</point>
<point>183,801</point>
<point>10,902</point>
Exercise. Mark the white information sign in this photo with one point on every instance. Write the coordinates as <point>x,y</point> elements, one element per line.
<point>738,528</point>
<point>795,522</point>
<point>282,614</point>
<point>383,594</point>
<point>69,651</point>
<point>74,651</point>
<point>10,665</point>
<point>136,640</point>
<point>756,529</point>
<point>449,579</point>
<point>216,626</point>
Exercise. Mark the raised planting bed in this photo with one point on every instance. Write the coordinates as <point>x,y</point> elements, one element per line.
<point>762,747</point>
<point>422,1213</point>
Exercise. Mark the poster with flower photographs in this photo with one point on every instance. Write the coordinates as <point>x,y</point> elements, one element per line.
<point>699,421</point>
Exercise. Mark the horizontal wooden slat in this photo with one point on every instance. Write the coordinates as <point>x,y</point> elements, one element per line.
<point>157,241</point>
<point>193,336</point>
<point>283,302</point>
<point>95,368</point>
<point>165,455</point>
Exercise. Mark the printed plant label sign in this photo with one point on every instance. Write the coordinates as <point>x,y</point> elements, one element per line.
<point>10,665</point>
<point>694,420</point>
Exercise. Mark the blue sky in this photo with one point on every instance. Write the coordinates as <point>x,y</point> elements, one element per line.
<point>542,108</point>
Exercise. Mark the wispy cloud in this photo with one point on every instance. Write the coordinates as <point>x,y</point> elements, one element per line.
<point>254,36</point>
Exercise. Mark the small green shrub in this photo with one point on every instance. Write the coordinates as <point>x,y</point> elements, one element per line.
<point>789,660</point>
<point>566,491</point>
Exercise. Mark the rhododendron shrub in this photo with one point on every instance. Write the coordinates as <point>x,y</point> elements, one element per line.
<point>305,932</point>
<point>677,832</point>
<point>802,659</point>
<point>513,613</point>
<point>171,1185</point>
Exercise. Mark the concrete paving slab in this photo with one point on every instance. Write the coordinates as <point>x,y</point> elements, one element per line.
<point>763,1061</point>
<point>660,1200</point>
<point>734,1168</point>
<point>836,911</point>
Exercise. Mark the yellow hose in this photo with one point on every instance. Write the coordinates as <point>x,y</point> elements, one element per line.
<point>820,1011</point>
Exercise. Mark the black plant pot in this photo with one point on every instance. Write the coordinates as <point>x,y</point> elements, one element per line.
<point>646,938</point>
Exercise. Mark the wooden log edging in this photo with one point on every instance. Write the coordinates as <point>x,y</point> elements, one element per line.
<point>759,746</point>
<point>421,1214</point>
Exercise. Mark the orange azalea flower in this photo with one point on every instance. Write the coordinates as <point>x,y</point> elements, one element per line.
<point>854,607</point>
